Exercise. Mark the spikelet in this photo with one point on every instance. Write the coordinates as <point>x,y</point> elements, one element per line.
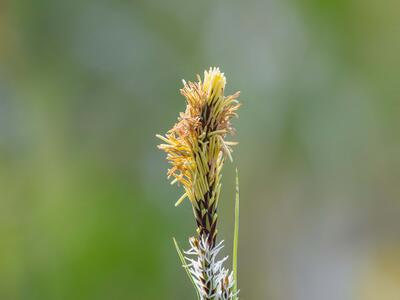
<point>211,279</point>
<point>196,149</point>
<point>196,146</point>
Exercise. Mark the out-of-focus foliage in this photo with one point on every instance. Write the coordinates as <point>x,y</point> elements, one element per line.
<point>85,209</point>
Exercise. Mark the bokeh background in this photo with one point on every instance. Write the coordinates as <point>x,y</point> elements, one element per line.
<point>86,211</point>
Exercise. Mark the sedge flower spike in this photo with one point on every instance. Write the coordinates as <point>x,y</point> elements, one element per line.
<point>196,148</point>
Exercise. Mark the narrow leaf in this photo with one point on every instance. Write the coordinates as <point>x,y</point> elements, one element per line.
<point>236,234</point>
<point>185,266</point>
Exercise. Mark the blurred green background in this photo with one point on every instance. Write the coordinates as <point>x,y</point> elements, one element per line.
<point>86,211</point>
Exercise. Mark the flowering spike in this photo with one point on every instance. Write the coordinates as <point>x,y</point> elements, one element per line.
<point>196,146</point>
<point>196,149</point>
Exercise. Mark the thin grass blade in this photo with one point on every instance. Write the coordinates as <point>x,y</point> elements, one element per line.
<point>185,266</point>
<point>236,234</point>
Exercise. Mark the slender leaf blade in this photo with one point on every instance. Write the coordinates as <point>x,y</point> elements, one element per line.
<point>185,266</point>
<point>236,234</point>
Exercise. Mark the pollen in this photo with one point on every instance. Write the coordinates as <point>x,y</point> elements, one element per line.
<point>196,145</point>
